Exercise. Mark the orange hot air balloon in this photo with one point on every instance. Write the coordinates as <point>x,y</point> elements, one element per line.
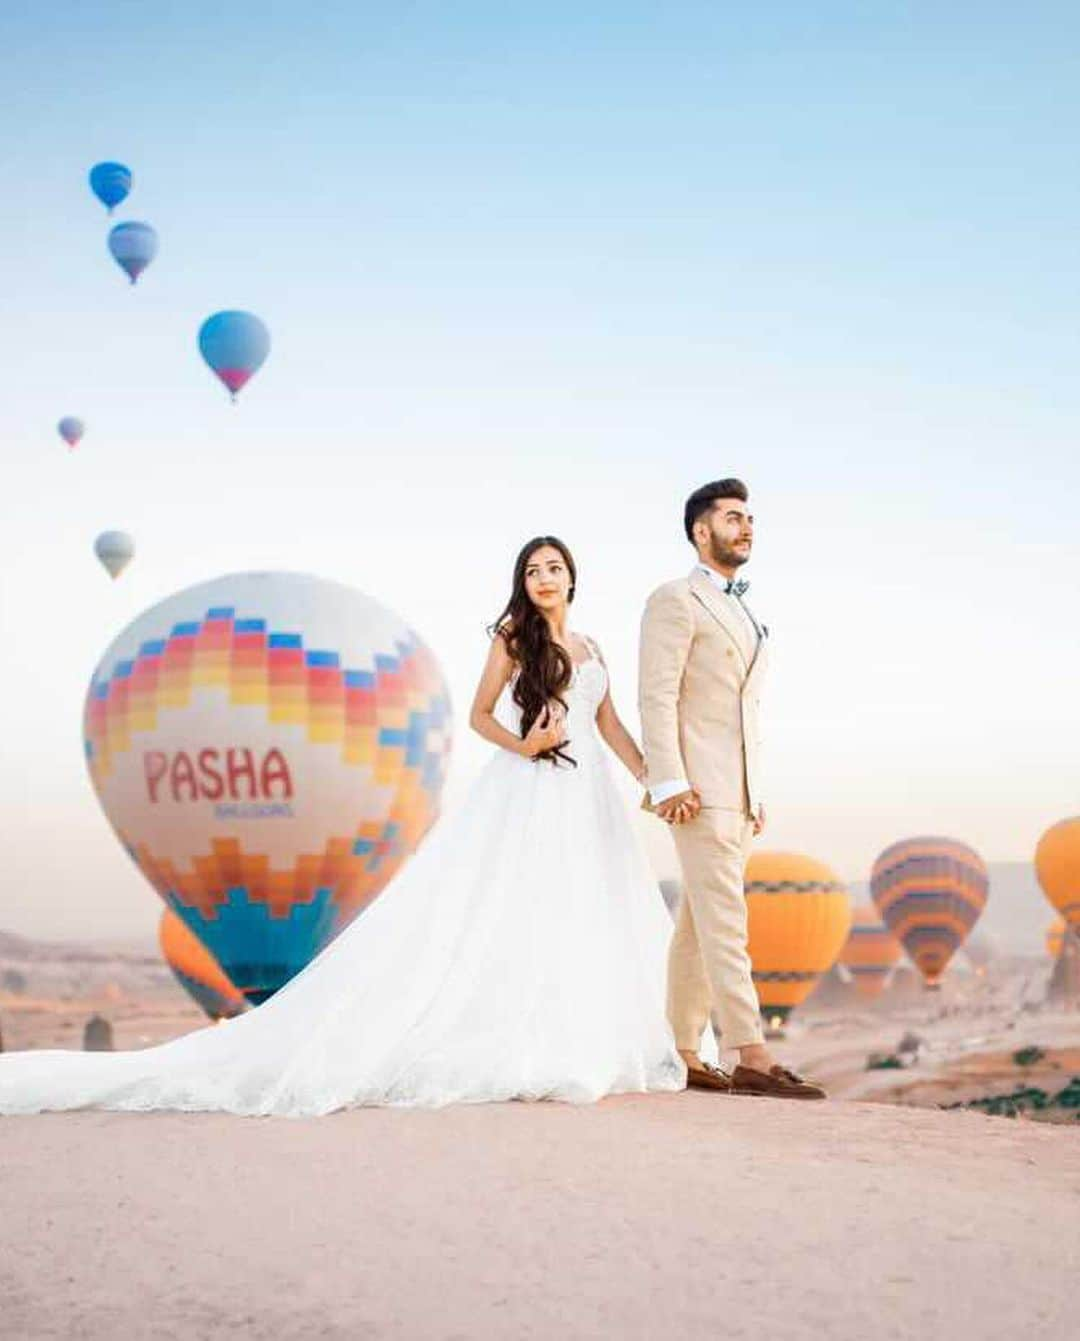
<point>871,951</point>
<point>1055,937</point>
<point>196,969</point>
<point>1057,865</point>
<point>930,893</point>
<point>799,918</point>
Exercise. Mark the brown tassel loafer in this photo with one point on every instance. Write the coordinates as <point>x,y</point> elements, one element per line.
<point>778,1082</point>
<point>707,1077</point>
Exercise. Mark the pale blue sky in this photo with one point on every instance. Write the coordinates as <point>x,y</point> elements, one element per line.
<point>528,268</point>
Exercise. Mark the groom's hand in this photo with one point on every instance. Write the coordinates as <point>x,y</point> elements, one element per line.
<point>678,809</point>
<point>759,820</point>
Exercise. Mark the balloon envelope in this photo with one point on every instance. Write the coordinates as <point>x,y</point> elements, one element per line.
<point>270,748</point>
<point>870,952</point>
<point>71,430</point>
<point>196,969</point>
<point>799,917</point>
<point>115,549</point>
<point>133,247</point>
<point>930,893</point>
<point>1057,866</point>
<point>1055,937</point>
<point>235,346</point>
<point>110,182</point>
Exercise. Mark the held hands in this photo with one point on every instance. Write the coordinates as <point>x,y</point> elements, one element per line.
<point>678,809</point>
<point>548,732</point>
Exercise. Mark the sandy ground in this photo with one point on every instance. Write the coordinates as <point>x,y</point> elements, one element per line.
<point>687,1215</point>
<point>682,1216</point>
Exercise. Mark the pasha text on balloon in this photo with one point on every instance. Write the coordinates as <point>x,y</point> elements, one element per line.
<point>211,775</point>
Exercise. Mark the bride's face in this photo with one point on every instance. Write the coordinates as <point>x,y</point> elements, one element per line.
<point>547,579</point>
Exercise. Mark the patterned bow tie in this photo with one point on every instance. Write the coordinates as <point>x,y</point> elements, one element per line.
<point>739,588</point>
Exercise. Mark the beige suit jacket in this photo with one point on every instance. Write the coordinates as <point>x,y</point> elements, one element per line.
<point>701,674</point>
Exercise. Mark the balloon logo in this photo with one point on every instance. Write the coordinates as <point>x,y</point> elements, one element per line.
<point>270,748</point>
<point>110,182</point>
<point>235,346</point>
<point>870,952</point>
<point>71,430</point>
<point>115,550</point>
<point>1057,866</point>
<point>930,893</point>
<point>196,969</point>
<point>133,247</point>
<point>799,916</point>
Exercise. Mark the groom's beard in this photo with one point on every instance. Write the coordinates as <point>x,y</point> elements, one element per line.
<point>723,555</point>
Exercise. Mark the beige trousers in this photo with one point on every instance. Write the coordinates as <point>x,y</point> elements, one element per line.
<point>708,965</point>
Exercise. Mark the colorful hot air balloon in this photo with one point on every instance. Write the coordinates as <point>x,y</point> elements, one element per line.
<point>133,247</point>
<point>1055,937</point>
<point>115,549</point>
<point>110,182</point>
<point>930,892</point>
<point>1057,865</point>
<point>235,346</point>
<point>196,969</point>
<point>799,917</point>
<point>71,430</point>
<point>270,748</point>
<point>870,952</point>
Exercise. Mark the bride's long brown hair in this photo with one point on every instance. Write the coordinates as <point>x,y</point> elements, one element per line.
<point>544,668</point>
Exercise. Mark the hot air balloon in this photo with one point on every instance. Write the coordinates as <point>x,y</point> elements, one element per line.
<point>235,346</point>
<point>269,748</point>
<point>930,892</point>
<point>799,917</point>
<point>870,952</point>
<point>133,247</point>
<point>1057,865</point>
<point>115,549</point>
<point>71,430</point>
<point>1055,937</point>
<point>196,969</point>
<point>110,182</point>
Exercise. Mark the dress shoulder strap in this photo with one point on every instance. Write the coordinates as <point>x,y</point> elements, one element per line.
<point>593,648</point>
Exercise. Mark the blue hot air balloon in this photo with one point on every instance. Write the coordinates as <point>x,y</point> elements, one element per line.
<point>235,345</point>
<point>110,182</point>
<point>133,246</point>
<point>71,430</point>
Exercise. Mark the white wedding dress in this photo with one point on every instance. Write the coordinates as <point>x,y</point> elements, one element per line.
<point>520,954</point>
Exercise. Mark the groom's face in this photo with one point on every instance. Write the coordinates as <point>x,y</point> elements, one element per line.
<point>726,534</point>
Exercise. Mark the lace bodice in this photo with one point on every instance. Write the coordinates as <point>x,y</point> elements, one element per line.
<point>585,693</point>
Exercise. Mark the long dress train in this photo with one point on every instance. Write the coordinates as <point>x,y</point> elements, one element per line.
<point>520,954</point>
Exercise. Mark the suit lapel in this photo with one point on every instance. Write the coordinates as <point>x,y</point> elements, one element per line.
<point>707,594</point>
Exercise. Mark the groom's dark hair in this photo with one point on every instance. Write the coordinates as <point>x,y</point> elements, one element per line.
<point>702,500</point>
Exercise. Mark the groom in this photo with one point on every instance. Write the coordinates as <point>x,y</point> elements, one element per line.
<point>703,658</point>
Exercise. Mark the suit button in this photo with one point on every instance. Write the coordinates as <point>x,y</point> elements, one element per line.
<point>731,651</point>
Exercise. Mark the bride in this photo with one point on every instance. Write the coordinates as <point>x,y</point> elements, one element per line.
<point>520,954</point>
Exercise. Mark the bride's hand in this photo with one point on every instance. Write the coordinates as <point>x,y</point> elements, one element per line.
<point>546,733</point>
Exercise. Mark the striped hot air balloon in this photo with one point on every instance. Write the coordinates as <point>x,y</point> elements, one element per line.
<point>270,749</point>
<point>799,917</point>
<point>871,951</point>
<point>196,969</point>
<point>930,893</point>
<point>1057,865</point>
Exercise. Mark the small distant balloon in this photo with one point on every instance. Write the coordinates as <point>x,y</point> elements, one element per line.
<point>110,182</point>
<point>133,247</point>
<point>235,346</point>
<point>71,430</point>
<point>115,549</point>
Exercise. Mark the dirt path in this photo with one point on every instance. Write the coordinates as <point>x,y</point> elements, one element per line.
<point>678,1216</point>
